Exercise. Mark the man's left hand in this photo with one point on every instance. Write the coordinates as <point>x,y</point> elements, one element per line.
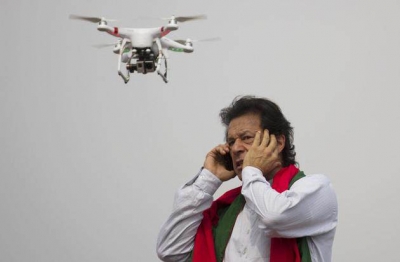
<point>264,154</point>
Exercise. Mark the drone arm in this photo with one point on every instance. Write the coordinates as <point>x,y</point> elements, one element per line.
<point>171,27</point>
<point>111,30</point>
<point>176,46</point>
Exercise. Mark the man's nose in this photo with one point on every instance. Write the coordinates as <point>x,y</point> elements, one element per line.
<point>238,146</point>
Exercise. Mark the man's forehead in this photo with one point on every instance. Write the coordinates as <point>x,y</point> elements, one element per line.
<point>243,124</point>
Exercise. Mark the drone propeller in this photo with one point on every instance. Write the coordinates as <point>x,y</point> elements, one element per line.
<point>182,19</point>
<point>90,18</point>
<point>199,40</point>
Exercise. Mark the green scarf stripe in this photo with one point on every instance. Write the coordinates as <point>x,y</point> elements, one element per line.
<point>304,250</point>
<point>223,230</point>
<point>302,241</point>
<point>296,177</point>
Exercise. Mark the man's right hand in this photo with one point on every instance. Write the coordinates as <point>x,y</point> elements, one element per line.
<point>215,164</point>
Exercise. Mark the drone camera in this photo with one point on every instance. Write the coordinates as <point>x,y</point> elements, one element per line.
<point>149,65</point>
<point>143,67</point>
<point>131,67</point>
<point>140,67</point>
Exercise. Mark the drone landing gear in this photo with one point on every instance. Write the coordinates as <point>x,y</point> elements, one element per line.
<point>163,76</point>
<point>158,69</point>
<point>124,77</point>
<point>161,55</point>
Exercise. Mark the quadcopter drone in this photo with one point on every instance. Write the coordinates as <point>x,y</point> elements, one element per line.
<point>143,49</point>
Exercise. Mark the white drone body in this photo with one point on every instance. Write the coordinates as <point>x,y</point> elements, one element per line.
<point>143,49</point>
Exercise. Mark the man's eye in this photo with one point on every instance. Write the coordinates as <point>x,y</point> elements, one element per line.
<point>231,142</point>
<point>248,139</point>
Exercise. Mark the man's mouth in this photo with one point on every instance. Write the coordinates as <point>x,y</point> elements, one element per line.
<point>239,164</point>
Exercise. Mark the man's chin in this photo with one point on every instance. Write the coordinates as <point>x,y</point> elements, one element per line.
<point>238,172</point>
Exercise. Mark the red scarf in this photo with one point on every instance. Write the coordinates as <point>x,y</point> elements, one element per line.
<point>282,249</point>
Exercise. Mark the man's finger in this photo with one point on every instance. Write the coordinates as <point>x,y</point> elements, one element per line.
<point>257,139</point>
<point>221,149</point>
<point>226,147</point>
<point>266,138</point>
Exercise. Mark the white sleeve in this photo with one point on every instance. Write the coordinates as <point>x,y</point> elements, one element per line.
<point>176,238</point>
<point>309,208</point>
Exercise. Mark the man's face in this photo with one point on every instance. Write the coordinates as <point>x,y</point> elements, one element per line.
<point>241,133</point>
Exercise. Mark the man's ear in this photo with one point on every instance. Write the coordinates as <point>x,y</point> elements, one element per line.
<point>281,142</point>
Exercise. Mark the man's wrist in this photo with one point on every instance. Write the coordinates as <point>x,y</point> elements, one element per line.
<point>251,173</point>
<point>208,182</point>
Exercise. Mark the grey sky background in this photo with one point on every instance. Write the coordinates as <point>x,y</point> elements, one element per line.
<point>89,165</point>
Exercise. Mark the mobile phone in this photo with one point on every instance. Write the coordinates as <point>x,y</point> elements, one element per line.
<point>226,160</point>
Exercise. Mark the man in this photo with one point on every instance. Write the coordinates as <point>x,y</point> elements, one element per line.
<point>277,215</point>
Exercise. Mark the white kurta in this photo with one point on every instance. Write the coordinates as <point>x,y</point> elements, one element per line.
<point>309,208</point>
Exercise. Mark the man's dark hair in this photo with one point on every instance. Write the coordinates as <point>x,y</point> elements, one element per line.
<point>271,118</point>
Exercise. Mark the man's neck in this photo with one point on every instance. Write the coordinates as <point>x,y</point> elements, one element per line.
<point>270,175</point>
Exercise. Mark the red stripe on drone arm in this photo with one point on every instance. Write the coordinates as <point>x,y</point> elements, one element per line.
<point>116,31</point>
<point>164,33</point>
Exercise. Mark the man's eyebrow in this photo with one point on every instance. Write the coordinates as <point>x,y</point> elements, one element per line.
<point>241,133</point>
